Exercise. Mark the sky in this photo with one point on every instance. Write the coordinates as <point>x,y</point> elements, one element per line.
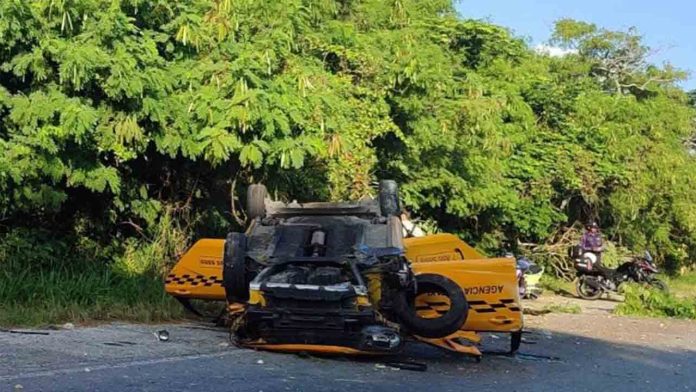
<point>668,26</point>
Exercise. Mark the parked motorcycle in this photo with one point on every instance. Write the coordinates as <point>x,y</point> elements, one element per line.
<point>528,277</point>
<point>594,280</point>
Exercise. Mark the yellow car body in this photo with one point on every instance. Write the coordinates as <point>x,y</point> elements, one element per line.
<point>490,286</point>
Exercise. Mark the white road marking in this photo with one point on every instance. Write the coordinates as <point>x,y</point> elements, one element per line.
<point>88,368</point>
<point>351,380</point>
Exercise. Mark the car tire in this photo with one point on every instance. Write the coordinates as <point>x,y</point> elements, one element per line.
<point>234,269</point>
<point>256,201</point>
<point>389,198</point>
<point>445,325</point>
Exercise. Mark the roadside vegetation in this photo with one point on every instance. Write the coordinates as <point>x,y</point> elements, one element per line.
<point>679,302</point>
<point>683,286</point>
<point>83,295</point>
<point>128,130</point>
<point>642,301</point>
<point>553,284</point>
<point>47,281</point>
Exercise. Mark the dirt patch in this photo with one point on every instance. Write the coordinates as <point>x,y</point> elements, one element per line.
<point>602,306</point>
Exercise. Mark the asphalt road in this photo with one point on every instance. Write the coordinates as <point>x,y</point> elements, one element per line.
<point>591,351</point>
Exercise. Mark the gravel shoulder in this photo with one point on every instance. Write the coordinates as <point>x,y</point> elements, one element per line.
<point>593,350</point>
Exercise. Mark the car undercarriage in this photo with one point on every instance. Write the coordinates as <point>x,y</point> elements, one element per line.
<point>340,277</point>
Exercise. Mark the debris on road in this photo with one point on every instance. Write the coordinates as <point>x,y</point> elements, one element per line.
<point>19,332</point>
<point>614,351</point>
<point>162,335</point>
<point>527,341</point>
<point>534,357</point>
<point>408,365</point>
<point>119,343</point>
<point>535,312</point>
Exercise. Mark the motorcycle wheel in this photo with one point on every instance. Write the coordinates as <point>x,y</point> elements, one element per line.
<point>532,296</point>
<point>658,284</point>
<point>586,291</point>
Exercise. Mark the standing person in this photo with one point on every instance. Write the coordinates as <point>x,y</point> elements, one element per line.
<point>410,229</point>
<point>592,245</point>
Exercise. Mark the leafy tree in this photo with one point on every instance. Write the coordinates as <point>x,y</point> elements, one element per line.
<point>118,117</point>
<point>692,97</point>
<point>619,59</point>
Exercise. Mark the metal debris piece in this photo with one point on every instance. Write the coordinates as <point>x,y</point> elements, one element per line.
<point>23,332</point>
<point>408,365</point>
<point>162,335</point>
<point>120,343</point>
<point>535,312</point>
<point>535,357</point>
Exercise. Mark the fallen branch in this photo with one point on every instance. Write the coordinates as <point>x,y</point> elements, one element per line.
<point>241,220</point>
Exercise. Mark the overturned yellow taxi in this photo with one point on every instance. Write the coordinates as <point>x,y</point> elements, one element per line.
<point>340,278</point>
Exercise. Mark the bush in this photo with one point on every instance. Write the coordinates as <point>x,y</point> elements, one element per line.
<point>49,280</point>
<point>113,116</point>
<point>642,301</point>
<point>556,285</point>
<point>157,249</point>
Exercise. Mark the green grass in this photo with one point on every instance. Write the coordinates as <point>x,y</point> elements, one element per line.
<point>563,308</point>
<point>47,279</point>
<point>680,302</point>
<point>556,285</point>
<point>645,302</point>
<point>683,286</point>
<point>81,294</point>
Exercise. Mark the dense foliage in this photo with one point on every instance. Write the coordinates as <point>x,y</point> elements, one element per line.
<point>641,301</point>
<point>127,126</point>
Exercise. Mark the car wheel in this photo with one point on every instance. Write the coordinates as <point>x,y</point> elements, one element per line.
<point>389,198</point>
<point>234,274</point>
<point>256,201</point>
<point>448,321</point>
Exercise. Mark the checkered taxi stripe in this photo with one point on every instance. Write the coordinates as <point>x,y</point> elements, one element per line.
<point>476,306</point>
<point>485,307</point>
<point>193,280</point>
